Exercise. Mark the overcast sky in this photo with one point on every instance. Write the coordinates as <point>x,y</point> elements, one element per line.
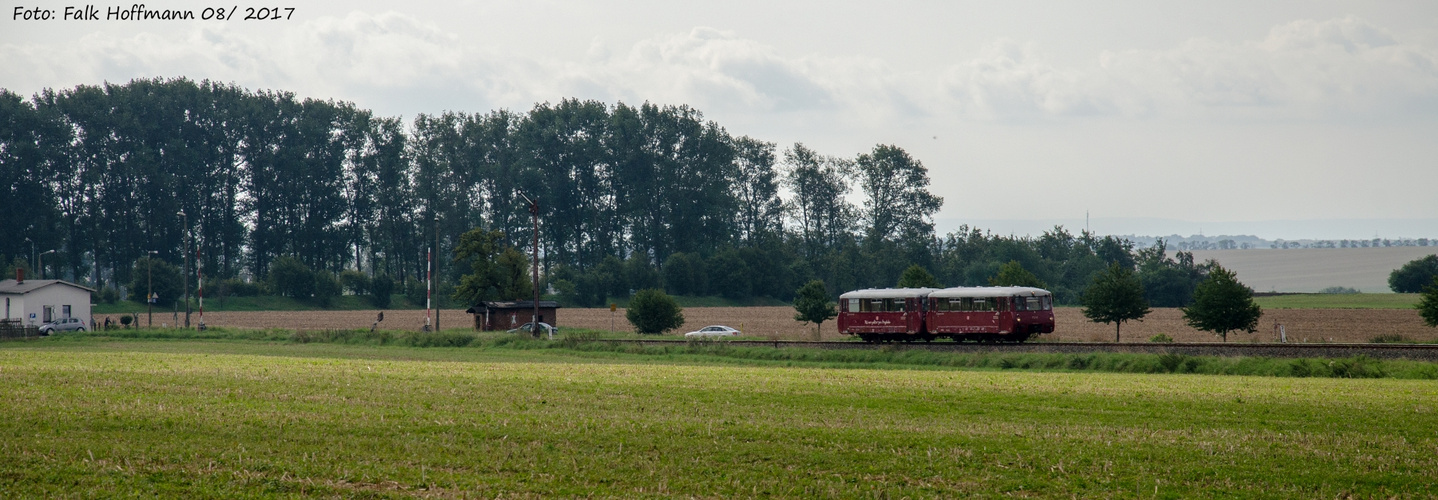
<point>1214,115</point>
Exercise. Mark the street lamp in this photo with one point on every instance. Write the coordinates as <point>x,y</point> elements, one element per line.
<point>42,265</point>
<point>150,283</point>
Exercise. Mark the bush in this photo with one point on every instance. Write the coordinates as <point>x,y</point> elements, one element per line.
<point>1356,367</point>
<point>652,311</point>
<point>327,287</point>
<point>291,278</point>
<point>355,282</point>
<point>109,295</point>
<point>236,287</point>
<point>1161,339</point>
<point>380,291</point>
<point>1339,290</point>
<point>414,291</point>
<point>1172,362</point>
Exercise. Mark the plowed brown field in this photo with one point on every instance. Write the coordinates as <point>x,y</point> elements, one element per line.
<point>1302,325</point>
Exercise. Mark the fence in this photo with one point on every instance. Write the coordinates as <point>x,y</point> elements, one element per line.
<point>13,328</point>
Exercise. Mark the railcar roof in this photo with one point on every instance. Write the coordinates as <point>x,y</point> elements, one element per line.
<point>991,291</point>
<point>887,293</point>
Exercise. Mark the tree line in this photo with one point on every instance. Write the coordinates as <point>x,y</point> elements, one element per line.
<point>630,197</point>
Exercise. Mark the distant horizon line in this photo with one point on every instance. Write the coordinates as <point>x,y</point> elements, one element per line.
<point>1269,230</point>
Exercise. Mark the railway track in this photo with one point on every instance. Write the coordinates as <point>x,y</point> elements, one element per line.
<point>1424,352</point>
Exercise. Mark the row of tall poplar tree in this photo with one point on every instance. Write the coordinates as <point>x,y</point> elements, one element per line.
<point>630,196</point>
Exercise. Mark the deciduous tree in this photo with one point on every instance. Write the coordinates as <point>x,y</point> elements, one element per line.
<point>899,206</point>
<point>1114,297</point>
<point>812,304</point>
<point>1414,276</point>
<point>1428,304</point>
<point>1014,274</point>
<point>1221,304</point>
<point>917,277</point>
<point>478,248</point>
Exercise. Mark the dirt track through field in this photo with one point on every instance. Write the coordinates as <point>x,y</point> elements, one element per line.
<point>1302,325</point>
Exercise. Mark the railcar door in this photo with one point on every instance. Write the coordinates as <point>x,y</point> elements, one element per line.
<point>914,315</point>
<point>1003,315</point>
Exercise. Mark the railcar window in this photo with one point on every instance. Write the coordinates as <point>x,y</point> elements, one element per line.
<point>981,304</point>
<point>1034,303</point>
<point>1048,302</point>
<point>853,305</point>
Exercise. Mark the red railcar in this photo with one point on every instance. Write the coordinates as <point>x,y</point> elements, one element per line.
<point>883,313</point>
<point>988,314</point>
<point>1007,313</point>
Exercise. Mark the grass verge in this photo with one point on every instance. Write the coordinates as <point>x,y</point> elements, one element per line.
<point>592,343</point>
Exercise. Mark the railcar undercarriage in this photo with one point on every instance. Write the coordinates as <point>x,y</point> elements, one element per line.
<point>984,338</point>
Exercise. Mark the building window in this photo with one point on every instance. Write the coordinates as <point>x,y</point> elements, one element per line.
<point>65,311</point>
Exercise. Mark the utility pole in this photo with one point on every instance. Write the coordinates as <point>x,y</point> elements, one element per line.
<point>185,263</point>
<point>534,273</point>
<point>436,272</point>
<point>428,257</point>
<point>150,283</point>
<point>200,284</point>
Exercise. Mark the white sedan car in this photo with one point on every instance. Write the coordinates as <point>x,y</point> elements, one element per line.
<point>712,331</point>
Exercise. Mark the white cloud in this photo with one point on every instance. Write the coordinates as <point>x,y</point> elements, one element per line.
<point>1303,69</point>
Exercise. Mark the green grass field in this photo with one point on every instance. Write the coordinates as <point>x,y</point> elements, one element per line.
<point>88,416</point>
<point>1339,301</point>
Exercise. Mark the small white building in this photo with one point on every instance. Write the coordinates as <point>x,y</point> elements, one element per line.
<point>35,302</point>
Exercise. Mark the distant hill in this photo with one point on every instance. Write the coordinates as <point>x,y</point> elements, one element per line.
<point>1313,269</point>
<point>1246,242</point>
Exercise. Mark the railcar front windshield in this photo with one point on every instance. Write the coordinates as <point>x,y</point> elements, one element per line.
<point>1043,303</point>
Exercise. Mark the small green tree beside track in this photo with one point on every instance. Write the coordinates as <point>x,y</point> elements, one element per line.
<point>1221,304</point>
<point>653,312</point>
<point>812,303</point>
<point>1115,296</point>
<point>1428,303</point>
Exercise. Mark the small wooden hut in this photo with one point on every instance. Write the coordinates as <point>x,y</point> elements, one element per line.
<point>506,315</point>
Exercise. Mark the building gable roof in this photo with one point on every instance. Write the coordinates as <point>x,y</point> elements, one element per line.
<point>508,305</point>
<point>21,288</point>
